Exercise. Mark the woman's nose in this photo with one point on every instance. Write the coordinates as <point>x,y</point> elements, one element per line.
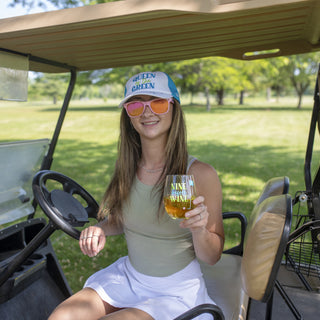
<point>147,110</point>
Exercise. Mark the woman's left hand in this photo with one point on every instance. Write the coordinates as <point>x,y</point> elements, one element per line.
<point>198,217</point>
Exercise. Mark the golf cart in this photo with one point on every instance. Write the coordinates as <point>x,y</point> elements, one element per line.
<point>96,37</point>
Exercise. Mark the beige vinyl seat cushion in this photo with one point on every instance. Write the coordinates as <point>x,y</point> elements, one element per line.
<point>224,286</point>
<point>260,254</point>
<point>235,279</point>
<point>273,187</point>
<point>261,247</point>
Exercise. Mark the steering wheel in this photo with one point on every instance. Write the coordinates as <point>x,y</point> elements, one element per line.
<point>60,206</point>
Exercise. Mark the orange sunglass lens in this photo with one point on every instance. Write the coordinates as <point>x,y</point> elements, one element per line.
<point>160,105</point>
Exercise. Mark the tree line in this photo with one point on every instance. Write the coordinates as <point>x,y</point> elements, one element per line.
<point>213,76</point>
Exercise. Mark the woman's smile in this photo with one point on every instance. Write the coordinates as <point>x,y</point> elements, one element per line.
<point>150,122</point>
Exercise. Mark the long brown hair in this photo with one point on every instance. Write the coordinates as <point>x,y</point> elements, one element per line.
<point>129,154</point>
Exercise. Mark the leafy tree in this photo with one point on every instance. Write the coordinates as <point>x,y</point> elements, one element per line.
<point>187,76</point>
<point>248,72</point>
<point>218,76</point>
<point>270,76</point>
<point>279,79</point>
<point>209,75</point>
<point>122,74</point>
<point>301,70</point>
<point>49,85</point>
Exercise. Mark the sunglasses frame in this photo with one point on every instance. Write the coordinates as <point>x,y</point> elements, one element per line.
<point>148,103</point>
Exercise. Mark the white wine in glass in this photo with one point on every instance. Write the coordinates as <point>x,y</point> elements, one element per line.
<point>179,193</point>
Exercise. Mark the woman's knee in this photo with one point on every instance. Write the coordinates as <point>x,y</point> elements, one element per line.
<point>85,304</point>
<point>60,314</point>
<point>130,313</point>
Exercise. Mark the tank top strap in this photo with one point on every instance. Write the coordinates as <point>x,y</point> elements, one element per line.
<point>191,160</point>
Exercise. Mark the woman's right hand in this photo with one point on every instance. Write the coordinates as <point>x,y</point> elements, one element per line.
<point>92,240</point>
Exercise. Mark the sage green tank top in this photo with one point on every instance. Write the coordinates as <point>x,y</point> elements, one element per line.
<point>157,246</point>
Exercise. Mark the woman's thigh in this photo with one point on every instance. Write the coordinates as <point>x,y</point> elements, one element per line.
<point>85,304</point>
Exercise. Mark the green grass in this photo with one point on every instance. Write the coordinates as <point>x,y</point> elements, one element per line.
<point>246,144</point>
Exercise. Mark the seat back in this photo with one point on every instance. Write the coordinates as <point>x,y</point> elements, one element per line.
<point>274,187</point>
<point>265,242</point>
<point>233,279</point>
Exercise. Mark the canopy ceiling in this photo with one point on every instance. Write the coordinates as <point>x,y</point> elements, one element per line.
<point>135,32</point>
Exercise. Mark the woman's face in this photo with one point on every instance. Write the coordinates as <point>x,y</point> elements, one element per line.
<point>150,125</point>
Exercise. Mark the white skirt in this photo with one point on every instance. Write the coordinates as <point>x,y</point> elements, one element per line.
<point>163,298</point>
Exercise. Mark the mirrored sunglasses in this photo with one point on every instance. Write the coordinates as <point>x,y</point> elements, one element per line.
<point>158,106</point>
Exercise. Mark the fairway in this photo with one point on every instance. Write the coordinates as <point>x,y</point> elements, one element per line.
<point>247,145</point>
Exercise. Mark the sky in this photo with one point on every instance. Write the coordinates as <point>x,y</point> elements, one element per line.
<point>18,10</point>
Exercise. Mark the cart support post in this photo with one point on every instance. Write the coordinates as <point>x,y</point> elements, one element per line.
<point>47,161</point>
<point>313,124</point>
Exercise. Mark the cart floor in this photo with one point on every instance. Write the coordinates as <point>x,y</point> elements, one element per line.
<point>305,301</point>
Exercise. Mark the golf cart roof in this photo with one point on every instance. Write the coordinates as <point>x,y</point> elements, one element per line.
<point>136,32</point>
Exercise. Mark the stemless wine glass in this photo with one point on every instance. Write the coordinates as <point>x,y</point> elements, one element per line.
<point>179,193</point>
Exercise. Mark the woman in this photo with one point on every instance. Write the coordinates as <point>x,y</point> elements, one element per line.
<point>160,278</point>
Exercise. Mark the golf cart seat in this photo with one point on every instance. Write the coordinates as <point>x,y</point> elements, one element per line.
<point>273,187</point>
<point>31,280</point>
<point>235,279</point>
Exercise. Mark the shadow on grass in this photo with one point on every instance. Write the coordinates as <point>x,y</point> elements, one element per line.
<point>243,171</point>
<point>92,164</point>
<point>258,162</point>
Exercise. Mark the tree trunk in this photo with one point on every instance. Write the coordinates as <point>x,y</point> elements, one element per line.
<point>191,101</point>
<point>299,100</point>
<point>268,94</point>
<point>208,98</point>
<point>220,94</point>
<point>300,89</point>
<point>278,90</point>
<point>241,99</point>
